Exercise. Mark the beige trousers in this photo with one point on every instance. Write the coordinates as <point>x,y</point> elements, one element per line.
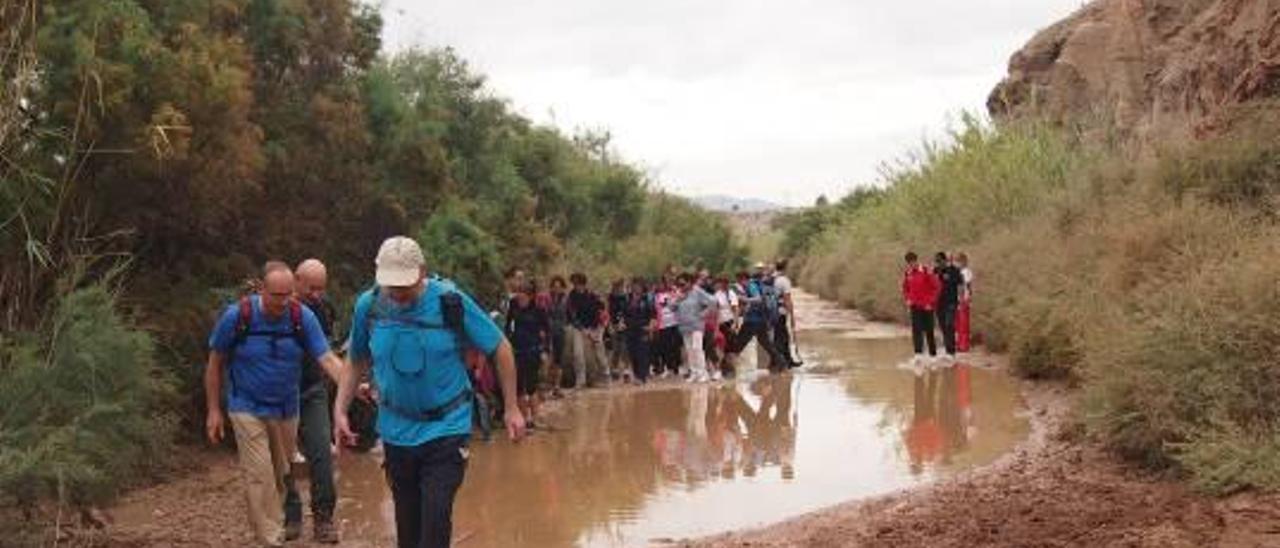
<point>265,447</point>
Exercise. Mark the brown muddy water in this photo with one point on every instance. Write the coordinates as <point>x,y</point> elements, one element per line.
<point>635,467</point>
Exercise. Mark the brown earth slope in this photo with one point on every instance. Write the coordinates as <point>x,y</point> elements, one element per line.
<point>1159,69</point>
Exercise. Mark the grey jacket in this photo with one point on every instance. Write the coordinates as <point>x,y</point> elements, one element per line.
<point>691,311</point>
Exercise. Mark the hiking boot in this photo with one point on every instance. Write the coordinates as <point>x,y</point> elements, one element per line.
<point>292,530</point>
<point>325,532</point>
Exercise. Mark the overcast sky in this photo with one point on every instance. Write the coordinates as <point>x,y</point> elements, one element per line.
<point>781,100</point>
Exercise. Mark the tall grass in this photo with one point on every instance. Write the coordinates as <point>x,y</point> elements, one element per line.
<point>1150,282</point>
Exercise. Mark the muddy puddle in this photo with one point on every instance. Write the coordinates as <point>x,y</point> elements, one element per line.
<point>634,467</point>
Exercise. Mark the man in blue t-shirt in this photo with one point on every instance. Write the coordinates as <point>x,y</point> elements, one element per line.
<point>262,341</point>
<point>413,330</point>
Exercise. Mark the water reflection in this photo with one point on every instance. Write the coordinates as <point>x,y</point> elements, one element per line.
<point>625,468</point>
<point>942,420</point>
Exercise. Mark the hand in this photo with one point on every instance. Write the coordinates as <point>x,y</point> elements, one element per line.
<point>364,392</point>
<point>213,426</point>
<point>515,423</point>
<point>342,433</point>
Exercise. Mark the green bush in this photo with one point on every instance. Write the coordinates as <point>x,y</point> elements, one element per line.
<point>82,407</point>
<point>1152,283</point>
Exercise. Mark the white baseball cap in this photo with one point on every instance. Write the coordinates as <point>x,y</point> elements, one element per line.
<point>399,262</point>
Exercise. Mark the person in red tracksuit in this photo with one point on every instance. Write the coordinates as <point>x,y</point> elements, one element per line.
<point>920,289</point>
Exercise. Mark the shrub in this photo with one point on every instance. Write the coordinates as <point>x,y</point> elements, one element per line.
<point>80,408</point>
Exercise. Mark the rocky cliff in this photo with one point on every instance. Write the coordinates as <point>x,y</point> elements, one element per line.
<point>1158,69</point>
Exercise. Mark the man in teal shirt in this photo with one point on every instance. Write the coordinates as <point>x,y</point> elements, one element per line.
<point>413,330</point>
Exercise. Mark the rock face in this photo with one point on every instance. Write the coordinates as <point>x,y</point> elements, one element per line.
<point>1157,69</point>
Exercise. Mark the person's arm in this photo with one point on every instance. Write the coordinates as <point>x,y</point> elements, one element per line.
<point>221,343</point>
<point>348,378</point>
<point>359,358</point>
<point>506,361</point>
<point>317,343</point>
<point>214,420</point>
<point>906,293</point>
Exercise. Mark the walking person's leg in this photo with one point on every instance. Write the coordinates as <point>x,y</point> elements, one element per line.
<point>776,363</point>
<point>697,358</point>
<point>638,347</point>
<point>403,466</point>
<point>927,319</point>
<point>917,331</point>
<point>947,323</point>
<point>317,447</point>
<point>596,339</point>
<point>782,340</point>
<point>441,474</point>
<point>578,340</point>
<point>257,471</point>
<point>673,345</point>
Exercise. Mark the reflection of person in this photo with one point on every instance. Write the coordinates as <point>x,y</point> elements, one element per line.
<point>949,417</point>
<point>923,438</point>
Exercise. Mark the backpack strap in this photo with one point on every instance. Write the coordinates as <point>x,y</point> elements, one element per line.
<point>244,318</point>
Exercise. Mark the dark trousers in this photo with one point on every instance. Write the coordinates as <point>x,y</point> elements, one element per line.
<point>782,338</point>
<point>316,433</point>
<point>922,330</point>
<point>669,345</point>
<point>760,332</point>
<point>638,349</point>
<point>947,323</point>
<point>424,480</point>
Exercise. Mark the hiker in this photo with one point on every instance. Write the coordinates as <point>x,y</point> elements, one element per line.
<point>755,324</point>
<point>667,342</point>
<point>966,299</point>
<point>262,340</point>
<point>692,305</point>
<point>558,309</point>
<point>529,330</point>
<point>413,331</point>
<point>785,324</point>
<point>707,283</point>
<point>512,282</point>
<point>920,290</point>
<point>639,322</point>
<point>311,280</point>
<point>952,282</point>
<point>726,315</point>
<point>617,306</point>
<point>586,331</point>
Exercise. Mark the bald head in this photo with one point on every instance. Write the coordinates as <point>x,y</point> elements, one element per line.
<point>313,278</point>
<point>277,288</point>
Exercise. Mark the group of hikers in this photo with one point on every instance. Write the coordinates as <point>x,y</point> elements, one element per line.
<point>687,325</point>
<point>432,362</point>
<point>944,293</point>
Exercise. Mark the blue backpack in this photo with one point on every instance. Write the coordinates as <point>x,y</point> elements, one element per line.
<point>451,320</point>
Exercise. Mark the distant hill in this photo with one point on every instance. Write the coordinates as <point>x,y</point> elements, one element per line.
<point>730,204</point>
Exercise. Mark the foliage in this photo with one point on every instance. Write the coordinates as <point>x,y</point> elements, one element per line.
<point>83,407</point>
<point>194,140</point>
<point>1150,283</point>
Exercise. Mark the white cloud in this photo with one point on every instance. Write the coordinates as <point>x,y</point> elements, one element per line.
<point>777,100</point>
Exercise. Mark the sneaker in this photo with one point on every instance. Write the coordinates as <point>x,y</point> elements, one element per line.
<point>292,530</point>
<point>715,376</point>
<point>325,532</point>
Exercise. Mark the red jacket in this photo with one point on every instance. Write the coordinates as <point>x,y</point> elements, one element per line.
<point>920,288</point>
